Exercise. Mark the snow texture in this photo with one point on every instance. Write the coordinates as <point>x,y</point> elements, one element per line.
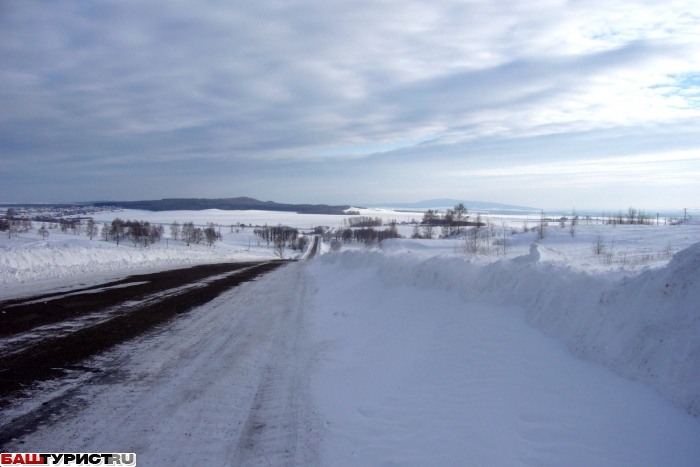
<point>645,328</point>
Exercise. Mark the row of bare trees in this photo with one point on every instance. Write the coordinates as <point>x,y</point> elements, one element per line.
<point>369,236</point>
<point>282,236</point>
<point>633,216</point>
<point>15,226</point>
<point>189,233</point>
<point>142,233</point>
<point>486,238</point>
<point>362,221</point>
<point>452,222</point>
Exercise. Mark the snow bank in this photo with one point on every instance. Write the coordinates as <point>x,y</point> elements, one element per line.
<point>41,260</point>
<point>645,327</point>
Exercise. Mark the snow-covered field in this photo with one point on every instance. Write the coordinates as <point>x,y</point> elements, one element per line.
<point>409,354</point>
<point>429,363</point>
<point>629,248</point>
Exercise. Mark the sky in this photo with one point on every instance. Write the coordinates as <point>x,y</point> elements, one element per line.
<point>543,103</point>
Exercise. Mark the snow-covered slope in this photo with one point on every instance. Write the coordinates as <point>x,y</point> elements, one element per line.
<point>645,327</point>
<point>41,260</point>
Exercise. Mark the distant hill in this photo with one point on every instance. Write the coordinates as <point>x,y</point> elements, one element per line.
<point>445,203</point>
<point>227,204</point>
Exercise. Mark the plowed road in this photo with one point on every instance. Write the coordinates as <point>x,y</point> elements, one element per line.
<point>141,364</point>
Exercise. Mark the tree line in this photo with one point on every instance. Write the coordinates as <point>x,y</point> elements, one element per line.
<point>281,236</point>
<point>362,221</point>
<point>366,235</point>
<point>452,222</point>
<point>141,233</point>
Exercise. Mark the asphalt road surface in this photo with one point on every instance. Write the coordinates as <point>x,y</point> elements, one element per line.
<point>47,336</point>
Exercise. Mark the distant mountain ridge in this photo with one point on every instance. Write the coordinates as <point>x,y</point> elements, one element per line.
<point>450,203</point>
<point>227,204</point>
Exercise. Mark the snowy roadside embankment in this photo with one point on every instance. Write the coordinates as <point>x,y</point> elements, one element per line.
<point>41,260</point>
<point>645,328</point>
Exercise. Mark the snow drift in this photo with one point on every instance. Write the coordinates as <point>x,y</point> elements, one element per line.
<point>645,327</point>
<point>47,260</point>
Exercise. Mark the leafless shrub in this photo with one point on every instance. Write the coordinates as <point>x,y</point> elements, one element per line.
<point>502,241</point>
<point>472,241</point>
<point>609,255</point>
<point>598,244</point>
<point>279,246</point>
<point>478,239</point>
<point>43,231</point>
<point>668,251</point>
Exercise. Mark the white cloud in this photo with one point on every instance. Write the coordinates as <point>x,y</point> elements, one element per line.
<point>666,168</point>
<point>160,80</point>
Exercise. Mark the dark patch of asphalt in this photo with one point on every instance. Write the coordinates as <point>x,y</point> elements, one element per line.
<point>55,356</point>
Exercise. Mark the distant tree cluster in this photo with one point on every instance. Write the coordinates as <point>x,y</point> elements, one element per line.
<point>362,221</point>
<point>450,223</point>
<point>189,233</point>
<point>632,217</point>
<point>282,236</point>
<point>14,225</point>
<point>142,233</point>
<point>366,235</point>
<point>273,233</point>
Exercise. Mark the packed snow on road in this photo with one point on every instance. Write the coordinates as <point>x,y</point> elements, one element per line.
<point>413,352</point>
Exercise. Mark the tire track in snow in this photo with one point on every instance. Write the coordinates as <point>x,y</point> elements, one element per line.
<point>275,430</point>
<point>226,384</point>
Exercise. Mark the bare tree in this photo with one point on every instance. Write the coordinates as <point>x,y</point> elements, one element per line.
<point>574,223</point>
<point>279,246</point>
<point>13,228</point>
<point>188,232</point>
<point>175,230</point>
<point>91,228</point>
<point>197,235</point>
<point>429,223</point>
<point>302,242</point>
<point>210,234</point>
<point>598,244</point>
<point>76,227</point>
<point>448,223</point>
<point>473,239</point>
<point>117,231</point>
<point>416,232</point>
<point>610,252</point>
<point>43,231</point>
<point>460,215</point>
<point>105,232</point>
<point>504,246</point>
